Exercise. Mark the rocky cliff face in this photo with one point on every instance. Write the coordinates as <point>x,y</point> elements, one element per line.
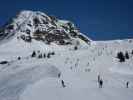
<point>31,25</point>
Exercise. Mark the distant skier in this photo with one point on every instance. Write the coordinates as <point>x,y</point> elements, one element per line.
<point>19,58</point>
<point>127,84</point>
<point>98,78</point>
<point>63,84</point>
<point>59,75</point>
<point>100,83</point>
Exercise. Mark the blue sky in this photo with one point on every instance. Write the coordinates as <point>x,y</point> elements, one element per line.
<point>99,19</point>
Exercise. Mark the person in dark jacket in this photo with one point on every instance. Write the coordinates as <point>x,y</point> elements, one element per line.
<point>63,84</point>
<point>100,83</point>
<point>127,84</point>
<point>59,75</point>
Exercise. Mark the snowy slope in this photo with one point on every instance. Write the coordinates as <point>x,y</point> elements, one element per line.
<point>19,80</point>
<point>25,77</point>
<point>81,78</point>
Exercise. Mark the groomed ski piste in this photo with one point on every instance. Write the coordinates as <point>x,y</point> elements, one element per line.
<point>31,78</point>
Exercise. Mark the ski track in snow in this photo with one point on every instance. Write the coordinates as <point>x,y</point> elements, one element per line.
<point>11,86</point>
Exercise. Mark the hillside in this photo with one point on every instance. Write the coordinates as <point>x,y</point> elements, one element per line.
<point>34,70</point>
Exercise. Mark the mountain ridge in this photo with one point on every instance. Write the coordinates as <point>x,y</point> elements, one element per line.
<point>29,25</point>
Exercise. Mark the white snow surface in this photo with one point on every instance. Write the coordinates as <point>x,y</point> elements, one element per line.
<point>37,79</point>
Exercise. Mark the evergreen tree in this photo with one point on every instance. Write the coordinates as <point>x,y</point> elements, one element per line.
<point>121,57</point>
<point>48,56</point>
<point>40,56</point>
<point>44,55</point>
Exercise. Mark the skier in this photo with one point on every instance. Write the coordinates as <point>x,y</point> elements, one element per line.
<point>98,78</point>
<point>59,75</point>
<point>127,84</point>
<point>19,58</point>
<point>100,83</point>
<point>63,84</point>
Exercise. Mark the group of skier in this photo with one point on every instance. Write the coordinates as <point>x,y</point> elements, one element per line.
<point>99,80</point>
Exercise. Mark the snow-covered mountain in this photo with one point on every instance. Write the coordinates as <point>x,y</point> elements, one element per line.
<point>37,52</point>
<point>35,25</point>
